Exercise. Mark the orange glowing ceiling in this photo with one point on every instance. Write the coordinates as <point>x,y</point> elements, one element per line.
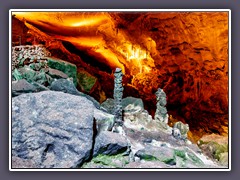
<point>97,31</point>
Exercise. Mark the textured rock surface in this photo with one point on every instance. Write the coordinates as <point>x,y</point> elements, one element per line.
<point>161,110</point>
<point>54,73</point>
<point>64,85</point>
<point>109,105</point>
<point>147,164</point>
<point>63,66</point>
<point>23,53</point>
<point>117,96</point>
<point>19,32</point>
<point>136,102</point>
<point>104,121</point>
<point>22,86</point>
<point>109,143</point>
<point>52,129</point>
<point>57,130</point>
<point>105,161</point>
<point>22,163</point>
<point>160,149</point>
<point>67,86</point>
<point>86,81</point>
<point>182,128</point>
<point>215,147</point>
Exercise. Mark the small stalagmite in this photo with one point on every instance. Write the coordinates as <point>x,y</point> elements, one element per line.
<point>161,111</point>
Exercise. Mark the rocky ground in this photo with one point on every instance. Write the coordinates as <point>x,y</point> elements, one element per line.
<point>66,131</point>
<point>56,126</point>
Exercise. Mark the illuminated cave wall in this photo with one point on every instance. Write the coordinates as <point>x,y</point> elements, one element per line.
<point>185,53</point>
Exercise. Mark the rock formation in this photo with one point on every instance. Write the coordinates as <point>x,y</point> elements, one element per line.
<point>180,130</point>
<point>118,93</point>
<point>62,132</point>
<point>161,111</point>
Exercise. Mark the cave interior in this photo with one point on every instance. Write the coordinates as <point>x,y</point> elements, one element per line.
<point>183,53</point>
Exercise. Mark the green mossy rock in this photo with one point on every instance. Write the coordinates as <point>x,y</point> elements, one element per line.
<point>183,128</point>
<point>148,157</point>
<point>213,148</point>
<point>162,154</point>
<point>106,161</point>
<point>28,73</point>
<point>37,66</point>
<point>185,158</point>
<point>223,158</point>
<point>66,67</point>
<point>85,80</point>
<point>218,149</point>
<point>41,78</point>
<point>16,75</point>
<point>181,154</point>
<point>194,159</point>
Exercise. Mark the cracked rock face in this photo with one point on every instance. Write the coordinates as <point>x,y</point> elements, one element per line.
<point>52,129</point>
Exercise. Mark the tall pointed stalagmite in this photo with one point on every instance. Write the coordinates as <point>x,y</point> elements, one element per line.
<point>118,93</point>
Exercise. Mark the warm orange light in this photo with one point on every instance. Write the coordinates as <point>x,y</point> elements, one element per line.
<point>83,41</point>
<point>111,57</point>
<point>147,69</point>
<point>64,18</point>
<point>88,22</point>
<point>135,54</point>
<point>96,32</point>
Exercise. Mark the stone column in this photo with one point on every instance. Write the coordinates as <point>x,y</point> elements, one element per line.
<point>118,93</point>
<point>161,111</point>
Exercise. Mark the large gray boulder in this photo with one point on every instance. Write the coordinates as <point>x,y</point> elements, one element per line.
<point>52,129</point>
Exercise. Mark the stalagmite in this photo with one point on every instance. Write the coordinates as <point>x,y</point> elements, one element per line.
<point>161,111</point>
<point>118,93</point>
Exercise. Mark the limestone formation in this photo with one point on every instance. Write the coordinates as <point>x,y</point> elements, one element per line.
<point>180,130</point>
<point>118,93</point>
<point>161,111</point>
